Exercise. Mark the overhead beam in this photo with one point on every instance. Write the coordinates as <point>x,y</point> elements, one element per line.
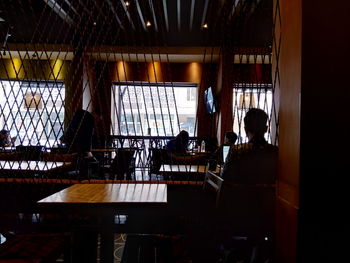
<point>139,11</point>
<point>205,10</point>
<point>59,11</point>
<point>154,15</point>
<point>193,2</point>
<point>115,14</point>
<point>71,7</point>
<point>179,15</point>
<point>236,6</point>
<point>165,9</point>
<point>127,14</point>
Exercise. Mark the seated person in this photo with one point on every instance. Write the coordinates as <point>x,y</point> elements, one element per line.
<point>5,139</point>
<point>179,144</point>
<point>254,162</point>
<point>78,136</point>
<point>230,140</point>
<point>177,151</point>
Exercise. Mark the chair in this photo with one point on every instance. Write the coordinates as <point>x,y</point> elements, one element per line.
<point>123,164</point>
<point>215,182</point>
<point>30,152</point>
<point>72,169</point>
<point>157,157</point>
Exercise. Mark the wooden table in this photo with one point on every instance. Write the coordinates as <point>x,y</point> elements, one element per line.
<point>190,172</point>
<point>31,167</point>
<point>117,194</point>
<point>96,199</point>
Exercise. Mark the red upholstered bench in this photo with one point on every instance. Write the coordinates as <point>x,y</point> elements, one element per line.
<point>33,248</point>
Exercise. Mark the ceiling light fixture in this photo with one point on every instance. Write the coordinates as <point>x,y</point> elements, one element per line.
<point>148,24</point>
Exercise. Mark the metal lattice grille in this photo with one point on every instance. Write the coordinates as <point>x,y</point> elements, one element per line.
<point>159,110</point>
<point>246,96</point>
<point>32,111</point>
<point>136,62</point>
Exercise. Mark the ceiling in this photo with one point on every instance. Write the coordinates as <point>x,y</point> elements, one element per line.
<point>82,23</point>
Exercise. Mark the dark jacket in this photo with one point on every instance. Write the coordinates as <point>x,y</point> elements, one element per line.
<point>78,136</point>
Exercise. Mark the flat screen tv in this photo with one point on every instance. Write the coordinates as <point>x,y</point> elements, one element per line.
<point>210,104</point>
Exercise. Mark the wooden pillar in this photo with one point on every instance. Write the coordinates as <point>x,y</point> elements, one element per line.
<point>287,80</point>
<point>313,110</point>
<point>206,122</point>
<point>102,96</point>
<point>225,121</point>
<point>73,87</point>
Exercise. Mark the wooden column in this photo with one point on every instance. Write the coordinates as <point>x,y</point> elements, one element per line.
<point>74,87</point>
<point>225,70</point>
<point>313,109</point>
<point>287,79</point>
<point>102,96</point>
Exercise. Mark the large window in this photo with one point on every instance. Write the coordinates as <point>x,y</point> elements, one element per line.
<point>246,96</point>
<point>33,111</point>
<point>150,109</point>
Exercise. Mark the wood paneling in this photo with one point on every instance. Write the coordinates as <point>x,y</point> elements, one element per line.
<point>109,193</point>
<point>287,65</point>
<point>33,69</point>
<point>286,243</point>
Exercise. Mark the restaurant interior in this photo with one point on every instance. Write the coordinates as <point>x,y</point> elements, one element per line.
<point>143,71</point>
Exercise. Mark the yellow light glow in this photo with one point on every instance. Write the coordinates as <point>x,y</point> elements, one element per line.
<point>195,72</point>
<point>154,71</point>
<point>15,68</point>
<point>57,68</point>
<point>122,71</point>
<point>148,24</point>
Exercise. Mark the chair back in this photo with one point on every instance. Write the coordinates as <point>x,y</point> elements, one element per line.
<point>157,158</point>
<point>30,152</point>
<point>59,157</point>
<point>123,163</point>
<point>214,182</point>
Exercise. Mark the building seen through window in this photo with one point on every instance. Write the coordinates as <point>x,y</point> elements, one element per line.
<point>246,96</point>
<point>158,110</point>
<point>33,111</point>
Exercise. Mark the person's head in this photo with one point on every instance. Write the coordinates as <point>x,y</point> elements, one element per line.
<point>230,137</point>
<point>4,134</point>
<point>184,137</point>
<point>255,122</point>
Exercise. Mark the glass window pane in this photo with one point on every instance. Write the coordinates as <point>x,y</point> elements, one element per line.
<point>165,110</point>
<point>249,96</point>
<point>32,111</point>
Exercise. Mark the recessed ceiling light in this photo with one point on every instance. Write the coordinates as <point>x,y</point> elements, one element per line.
<point>127,3</point>
<point>148,24</point>
<point>95,23</point>
<point>205,25</point>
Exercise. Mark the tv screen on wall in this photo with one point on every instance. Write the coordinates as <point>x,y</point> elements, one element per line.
<point>210,104</point>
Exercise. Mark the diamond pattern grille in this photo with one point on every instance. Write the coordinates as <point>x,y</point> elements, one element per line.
<point>246,96</point>
<point>35,120</point>
<point>72,44</point>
